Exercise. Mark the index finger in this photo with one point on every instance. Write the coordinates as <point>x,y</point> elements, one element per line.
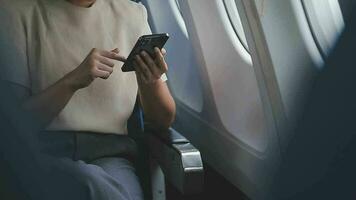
<point>113,55</point>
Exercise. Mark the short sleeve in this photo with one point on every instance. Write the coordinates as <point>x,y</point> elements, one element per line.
<point>146,31</point>
<point>13,56</point>
<point>146,26</point>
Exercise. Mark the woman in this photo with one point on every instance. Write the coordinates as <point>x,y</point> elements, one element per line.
<point>70,54</point>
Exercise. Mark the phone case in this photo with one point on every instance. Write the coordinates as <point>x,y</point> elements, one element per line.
<point>145,43</point>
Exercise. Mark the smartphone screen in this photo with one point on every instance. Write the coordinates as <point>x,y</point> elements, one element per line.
<point>145,43</point>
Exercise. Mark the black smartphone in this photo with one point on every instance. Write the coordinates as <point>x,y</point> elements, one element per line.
<point>145,43</point>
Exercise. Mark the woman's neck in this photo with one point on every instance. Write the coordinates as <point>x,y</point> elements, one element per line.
<point>82,3</point>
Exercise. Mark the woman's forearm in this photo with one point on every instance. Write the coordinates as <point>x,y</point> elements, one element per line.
<point>158,104</point>
<point>49,103</point>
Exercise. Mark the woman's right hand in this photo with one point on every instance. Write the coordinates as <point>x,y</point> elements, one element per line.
<point>98,64</point>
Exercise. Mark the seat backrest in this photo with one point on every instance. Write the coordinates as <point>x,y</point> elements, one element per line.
<point>320,159</point>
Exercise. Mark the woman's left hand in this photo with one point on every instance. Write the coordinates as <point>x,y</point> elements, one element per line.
<point>149,69</point>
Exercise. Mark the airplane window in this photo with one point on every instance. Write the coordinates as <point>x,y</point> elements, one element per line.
<point>326,22</point>
<point>235,20</point>
<point>178,6</point>
<point>183,75</point>
<point>236,111</point>
<point>179,18</point>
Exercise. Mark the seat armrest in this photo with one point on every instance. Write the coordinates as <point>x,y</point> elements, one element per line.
<point>169,136</point>
<point>179,160</point>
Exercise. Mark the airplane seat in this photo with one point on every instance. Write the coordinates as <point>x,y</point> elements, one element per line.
<point>168,156</point>
<point>165,155</point>
<point>322,153</point>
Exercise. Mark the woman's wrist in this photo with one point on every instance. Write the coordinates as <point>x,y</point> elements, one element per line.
<point>70,83</point>
<point>142,82</point>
